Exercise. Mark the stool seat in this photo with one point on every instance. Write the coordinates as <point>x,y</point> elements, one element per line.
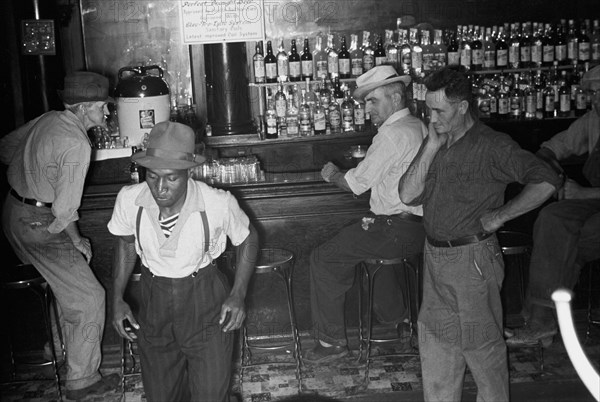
<point>21,276</point>
<point>513,242</point>
<point>385,261</point>
<point>271,259</point>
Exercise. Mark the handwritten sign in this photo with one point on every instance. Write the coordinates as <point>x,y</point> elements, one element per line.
<point>219,21</point>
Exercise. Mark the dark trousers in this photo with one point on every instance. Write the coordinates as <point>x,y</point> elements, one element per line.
<point>566,235</point>
<point>332,272</point>
<point>184,354</point>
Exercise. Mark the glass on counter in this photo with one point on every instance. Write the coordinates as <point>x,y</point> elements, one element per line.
<point>244,169</point>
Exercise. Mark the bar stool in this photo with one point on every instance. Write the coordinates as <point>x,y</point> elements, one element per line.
<point>25,276</point>
<point>280,262</point>
<point>129,348</point>
<point>368,270</point>
<point>516,251</point>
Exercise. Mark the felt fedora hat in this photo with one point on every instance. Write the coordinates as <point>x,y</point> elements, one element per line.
<point>590,78</point>
<point>377,77</point>
<point>170,146</point>
<point>85,86</point>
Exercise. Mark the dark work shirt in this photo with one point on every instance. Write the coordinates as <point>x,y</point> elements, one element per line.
<point>469,178</point>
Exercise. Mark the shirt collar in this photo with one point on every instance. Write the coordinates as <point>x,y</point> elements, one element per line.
<point>396,116</point>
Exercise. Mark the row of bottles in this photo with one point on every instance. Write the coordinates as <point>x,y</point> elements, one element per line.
<point>413,50</point>
<point>320,109</point>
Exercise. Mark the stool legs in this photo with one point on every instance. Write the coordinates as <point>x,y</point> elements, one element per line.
<point>48,300</point>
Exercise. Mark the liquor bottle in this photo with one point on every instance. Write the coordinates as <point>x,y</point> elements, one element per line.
<point>572,43</point>
<point>134,173</point>
<point>514,50</point>
<point>304,116</point>
<point>368,52</point>
<point>440,49</point>
<point>429,62</point>
<point>356,55</point>
<point>335,117</point>
<point>501,49</point>
<point>280,101</point>
<point>295,66</point>
<point>404,51</point>
<point>283,71</point>
<point>291,119</point>
<point>333,67</point>
<point>503,101</point>
<point>483,104</point>
<point>310,97</point>
<point>359,116</point>
<point>416,52</point>
<point>466,54</point>
<point>530,102</point>
<point>391,50</point>
<point>454,49</point>
<point>516,100</point>
<point>564,93</point>
<point>270,64</point>
<point>595,42</point>
<point>538,83</point>
<point>560,44</point>
<point>320,119</point>
<point>580,102</point>
<point>548,46</point>
<point>536,46</point>
<point>258,61</point>
<point>477,51</point>
<point>555,83</point>
<point>379,54</point>
<point>574,83</point>
<point>347,108</point>
<point>325,96</point>
<point>338,94</point>
<point>549,107</point>
<point>344,59</point>
<point>489,50</point>
<point>525,44</point>
<point>271,117</point>
<point>320,60</point>
<point>306,62</point>
<point>584,44</point>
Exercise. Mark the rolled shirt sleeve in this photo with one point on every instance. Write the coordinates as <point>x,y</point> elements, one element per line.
<point>580,138</point>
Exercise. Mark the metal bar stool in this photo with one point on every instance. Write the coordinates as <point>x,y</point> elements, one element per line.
<point>516,251</point>
<point>369,269</point>
<point>129,348</point>
<point>25,276</point>
<point>281,262</point>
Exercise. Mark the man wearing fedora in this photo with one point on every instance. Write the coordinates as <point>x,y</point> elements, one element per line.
<point>459,177</point>
<point>566,234</point>
<point>178,227</point>
<point>390,230</point>
<point>47,160</point>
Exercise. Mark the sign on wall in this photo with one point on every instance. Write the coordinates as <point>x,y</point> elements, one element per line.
<point>220,21</point>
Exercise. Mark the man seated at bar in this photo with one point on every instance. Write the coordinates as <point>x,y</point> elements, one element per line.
<point>459,176</point>
<point>566,234</point>
<point>48,160</point>
<point>178,227</point>
<point>390,230</point>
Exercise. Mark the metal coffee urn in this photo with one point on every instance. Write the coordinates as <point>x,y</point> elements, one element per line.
<point>142,101</point>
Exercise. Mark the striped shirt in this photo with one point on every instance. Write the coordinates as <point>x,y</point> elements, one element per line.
<point>167,224</point>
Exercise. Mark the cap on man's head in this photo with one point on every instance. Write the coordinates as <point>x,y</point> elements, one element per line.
<point>591,78</point>
<point>377,77</point>
<point>170,146</point>
<point>85,86</point>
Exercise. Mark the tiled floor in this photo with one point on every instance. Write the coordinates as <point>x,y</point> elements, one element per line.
<point>343,380</point>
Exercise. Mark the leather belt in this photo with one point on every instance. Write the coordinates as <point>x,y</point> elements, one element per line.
<point>30,201</point>
<point>461,241</point>
<point>407,216</point>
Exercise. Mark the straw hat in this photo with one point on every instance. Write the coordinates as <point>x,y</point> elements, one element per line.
<point>377,77</point>
<point>170,146</point>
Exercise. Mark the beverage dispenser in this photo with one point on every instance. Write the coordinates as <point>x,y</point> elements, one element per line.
<point>142,101</point>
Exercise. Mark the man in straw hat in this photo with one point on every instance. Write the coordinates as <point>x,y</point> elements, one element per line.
<point>460,176</point>
<point>47,160</point>
<point>390,230</point>
<point>566,234</point>
<point>178,227</point>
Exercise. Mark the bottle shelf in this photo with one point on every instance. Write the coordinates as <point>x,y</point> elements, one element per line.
<point>290,83</point>
<point>522,70</point>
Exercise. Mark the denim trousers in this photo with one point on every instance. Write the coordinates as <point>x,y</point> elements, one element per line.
<point>185,356</point>
<point>332,272</point>
<point>460,322</point>
<point>566,235</point>
<point>79,295</point>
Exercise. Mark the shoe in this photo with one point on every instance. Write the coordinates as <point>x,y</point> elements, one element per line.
<point>532,334</point>
<point>321,354</point>
<point>104,385</point>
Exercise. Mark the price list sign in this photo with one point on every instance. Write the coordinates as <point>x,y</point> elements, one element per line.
<point>221,21</point>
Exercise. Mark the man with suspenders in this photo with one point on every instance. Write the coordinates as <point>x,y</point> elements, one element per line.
<point>178,227</point>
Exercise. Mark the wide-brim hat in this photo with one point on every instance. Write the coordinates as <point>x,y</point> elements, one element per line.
<point>591,77</point>
<point>170,146</point>
<point>85,86</point>
<point>377,77</point>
